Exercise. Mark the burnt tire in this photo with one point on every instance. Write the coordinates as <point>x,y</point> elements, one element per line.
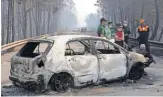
<point>62,82</point>
<point>136,73</point>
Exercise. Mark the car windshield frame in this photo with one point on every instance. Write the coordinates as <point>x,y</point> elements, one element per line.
<point>114,44</point>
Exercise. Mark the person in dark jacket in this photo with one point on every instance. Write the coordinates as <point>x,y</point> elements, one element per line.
<point>126,31</point>
<point>143,31</point>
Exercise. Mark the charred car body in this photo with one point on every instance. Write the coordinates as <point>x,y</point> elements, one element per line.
<point>67,61</point>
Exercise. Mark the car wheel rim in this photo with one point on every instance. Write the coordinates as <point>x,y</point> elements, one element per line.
<point>62,83</point>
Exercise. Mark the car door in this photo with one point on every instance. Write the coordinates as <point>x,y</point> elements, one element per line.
<point>112,61</point>
<point>81,61</point>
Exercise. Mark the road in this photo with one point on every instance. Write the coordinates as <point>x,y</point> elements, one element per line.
<point>5,67</point>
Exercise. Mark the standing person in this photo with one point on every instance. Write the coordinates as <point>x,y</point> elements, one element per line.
<point>112,30</point>
<point>102,32</point>
<point>143,31</point>
<point>119,35</point>
<point>126,31</point>
<point>108,32</point>
<point>101,28</point>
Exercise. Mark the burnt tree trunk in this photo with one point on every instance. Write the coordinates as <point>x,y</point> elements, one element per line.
<point>30,15</point>
<point>142,11</point>
<point>9,21</point>
<point>39,20</point>
<point>19,22</point>
<point>48,26</point>
<point>133,21</point>
<point>114,16</point>
<point>53,22</point>
<point>3,25</point>
<point>13,28</point>
<point>157,21</point>
<point>151,27</point>
<point>121,12</point>
<point>161,35</point>
<point>35,21</point>
<point>24,19</point>
<point>37,33</point>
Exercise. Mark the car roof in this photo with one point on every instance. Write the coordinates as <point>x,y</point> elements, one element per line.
<point>70,37</point>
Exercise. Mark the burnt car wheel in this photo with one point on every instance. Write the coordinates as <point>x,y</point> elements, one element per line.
<point>136,73</point>
<point>62,82</point>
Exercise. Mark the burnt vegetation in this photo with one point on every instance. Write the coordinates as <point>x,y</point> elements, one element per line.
<point>23,19</point>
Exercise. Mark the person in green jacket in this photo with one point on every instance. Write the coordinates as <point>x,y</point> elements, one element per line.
<point>113,30</point>
<point>101,31</point>
<point>108,32</point>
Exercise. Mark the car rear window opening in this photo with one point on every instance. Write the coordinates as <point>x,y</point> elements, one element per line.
<point>33,49</point>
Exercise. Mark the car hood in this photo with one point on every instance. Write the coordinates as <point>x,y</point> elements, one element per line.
<point>137,57</point>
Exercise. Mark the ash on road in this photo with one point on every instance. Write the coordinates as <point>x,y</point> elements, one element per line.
<point>150,85</point>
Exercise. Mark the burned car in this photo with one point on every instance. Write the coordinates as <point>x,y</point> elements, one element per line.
<point>66,61</point>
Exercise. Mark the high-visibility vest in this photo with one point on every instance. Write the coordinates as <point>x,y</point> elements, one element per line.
<point>143,29</point>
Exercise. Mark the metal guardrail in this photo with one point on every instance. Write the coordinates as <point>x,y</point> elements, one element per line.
<point>21,42</point>
<point>18,43</point>
<point>151,43</point>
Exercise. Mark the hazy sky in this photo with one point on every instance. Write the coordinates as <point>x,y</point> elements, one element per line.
<point>84,7</point>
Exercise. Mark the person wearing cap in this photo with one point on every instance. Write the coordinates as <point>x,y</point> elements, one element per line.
<point>143,31</point>
<point>101,29</point>
<point>119,35</point>
<point>113,30</point>
<point>126,31</point>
